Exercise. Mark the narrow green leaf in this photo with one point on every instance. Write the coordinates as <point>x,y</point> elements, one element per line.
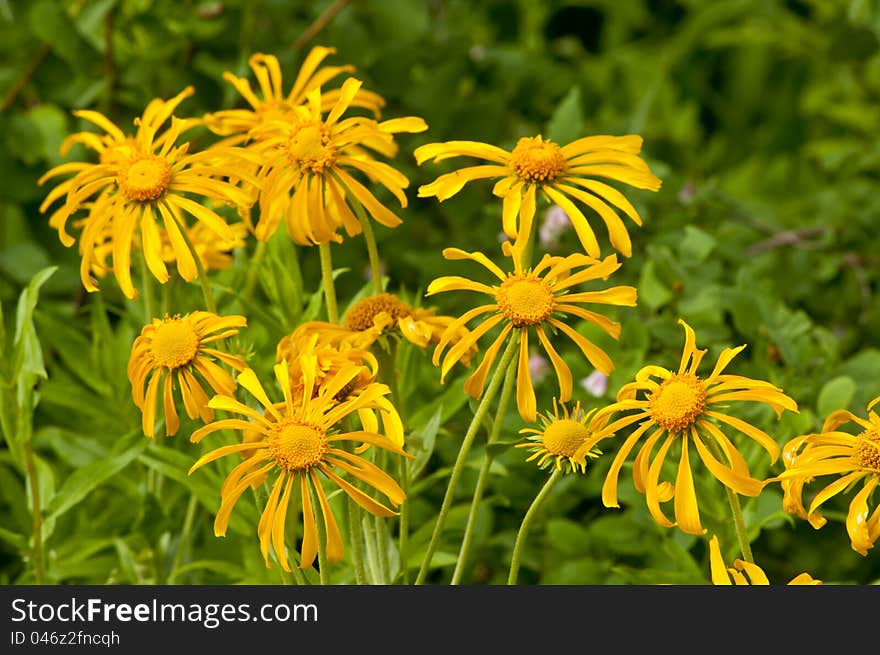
<point>567,121</point>
<point>835,394</point>
<point>84,480</point>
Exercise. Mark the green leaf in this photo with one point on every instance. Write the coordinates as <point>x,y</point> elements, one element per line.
<point>421,444</point>
<point>28,357</point>
<point>82,481</point>
<point>567,122</point>
<point>652,292</point>
<point>696,244</point>
<point>835,394</point>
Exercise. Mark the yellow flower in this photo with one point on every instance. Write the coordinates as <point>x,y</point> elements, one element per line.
<point>385,314</point>
<point>850,458</point>
<point>326,357</point>
<point>684,408</point>
<point>722,574</point>
<point>563,173</point>
<point>213,252</point>
<point>527,299</point>
<point>178,347</point>
<point>270,103</point>
<point>298,440</point>
<point>140,182</point>
<point>305,178</point>
<point>561,437</point>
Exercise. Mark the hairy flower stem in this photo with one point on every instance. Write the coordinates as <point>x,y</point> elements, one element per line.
<point>387,360</point>
<point>30,464</point>
<point>503,401</point>
<point>356,537</point>
<point>210,304</point>
<point>739,523</point>
<point>327,282</point>
<point>526,524</point>
<point>372,249</point>
<point>476,421</point>
<point>183,544</point>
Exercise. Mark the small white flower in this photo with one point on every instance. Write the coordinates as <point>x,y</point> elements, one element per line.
<point>555,222</point>
<point>537,367</point>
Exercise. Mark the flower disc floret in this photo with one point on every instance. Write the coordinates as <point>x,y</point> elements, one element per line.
<point>678,402</point>
<point>174,344</point>
<point>297,446</point>
<point>867,452</point>
<point>525,300</point>
<point>145,179</point>
<point>565,436</point>
<point>310,147</point>
<point>363,313</point>
<point>537,160</point>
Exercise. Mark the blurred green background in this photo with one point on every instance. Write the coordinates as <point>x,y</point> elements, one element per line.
<point>760,117</point>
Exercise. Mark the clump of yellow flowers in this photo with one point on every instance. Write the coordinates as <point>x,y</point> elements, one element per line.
<point>320,438</point>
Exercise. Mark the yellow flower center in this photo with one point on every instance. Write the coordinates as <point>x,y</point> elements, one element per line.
<point>867,453</point>
<point>525,300</point>
<point>309,147</point>
<point>174,344</point>
<point>564,437</point>
<point>362,314</point>
<point>678,402</point>
<point>297,446</point>
<point>145,179</point>
<point>537,160</point>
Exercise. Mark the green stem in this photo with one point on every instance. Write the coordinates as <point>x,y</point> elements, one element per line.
<point>503,402</point>
<point>327,282</point>
<point>403,547</point>
<point>253,270</point>
<point>457,468</point>
<point>210,305</point>
<point>149,306</point>
<point>526,523</point>
<point>183,544</point>
<point>355,533</point>
<point>739,523</point>
<point>34,484</point>
<point>372,249</point>
<point>528,251</point>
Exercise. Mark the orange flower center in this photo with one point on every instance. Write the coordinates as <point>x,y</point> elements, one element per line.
<point>564,437</point>
<point>362,314</point>
<point>174,344</point>
<point>297,446</point>
<point>525,300</point>
<point>868,451</point>
<point>145,179</point>
<point>678,402</point>
<point>537,160</point>
<point>309,147</point>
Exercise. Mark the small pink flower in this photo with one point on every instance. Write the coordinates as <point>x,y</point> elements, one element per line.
<point>596,383</point>
<point>537,367</point>
<point>556,221</point>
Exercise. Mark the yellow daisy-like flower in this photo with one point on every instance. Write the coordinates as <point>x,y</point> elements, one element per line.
<point>305,179</point>
<point>526,299</point>
<point>140,182</point>
<point>744,573</point>
<point>682,409</point>
<point>563,173</point>
<point>298,440</point>
<point>851,458</point>
<point>561,437</point>
<point>178,347</point>
<point>385,314</point>
<point>270,102</point>
<point>213,251</point>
